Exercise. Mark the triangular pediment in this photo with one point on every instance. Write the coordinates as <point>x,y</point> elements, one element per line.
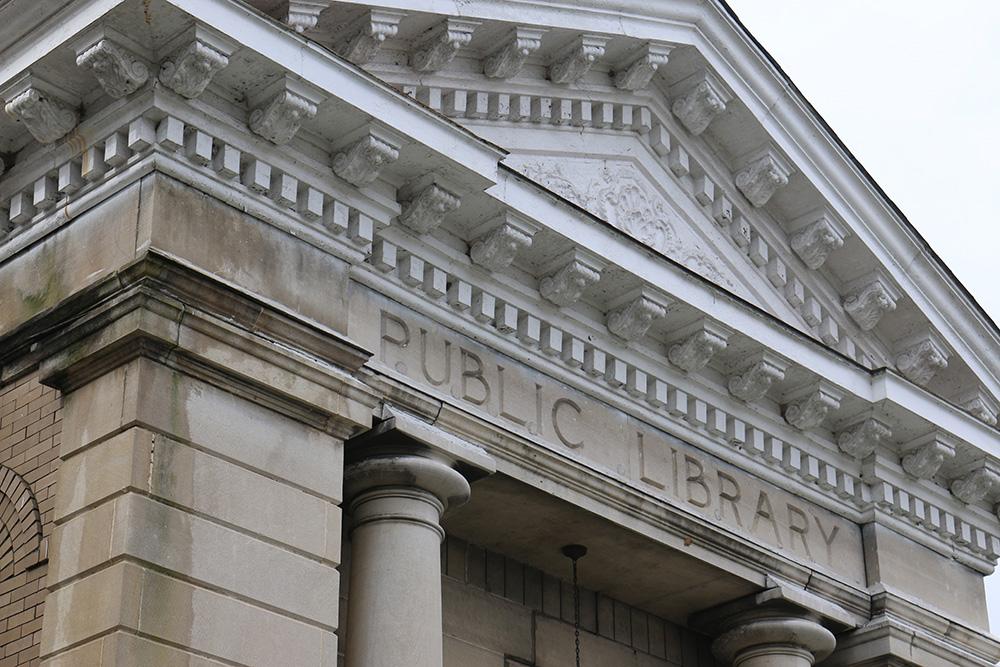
<point>747,185</point>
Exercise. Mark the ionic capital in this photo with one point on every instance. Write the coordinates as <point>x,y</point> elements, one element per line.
<point>815,236</point>
<point>113,60</point>
<point>642,65</point>
<point>362,159</point>
<point>365,36</point>
<point>978,483</point>
<point>426,202</point>
<point>980,405</point>
<point>921,357</point>
<point>438,46</point>
<point>281,108</point>
<point>197,55</point>
<point>46,110</point>
<point>302,15</point>
<point>869,298</point>
<point>755,378</point>
<point>807,408</point>
<point>924,456</point>
<point>697,344</point>
<point>700,99</point>
<point>862,438</point>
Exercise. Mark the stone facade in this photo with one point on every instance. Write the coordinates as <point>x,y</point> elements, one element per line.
<point>326,327</point>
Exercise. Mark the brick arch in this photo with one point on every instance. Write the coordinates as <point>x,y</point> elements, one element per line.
<point>20,525</point>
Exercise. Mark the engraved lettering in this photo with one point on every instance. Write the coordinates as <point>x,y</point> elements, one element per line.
<point>765,512</point>
<point>696,479</point>
<point>393,332</point>
<point>503,404</point>
<point>726,496</point>
<point>446,376</point>
<point>561,433</point>
<point>472,369</point>
<point>729,497</point>
<point>828,539</point>
<point>800,527</point>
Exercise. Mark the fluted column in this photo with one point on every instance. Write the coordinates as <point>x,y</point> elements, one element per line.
<point>773,638</point>
<point>394,605</point>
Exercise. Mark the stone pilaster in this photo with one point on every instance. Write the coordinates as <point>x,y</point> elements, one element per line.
<point>200,479</point>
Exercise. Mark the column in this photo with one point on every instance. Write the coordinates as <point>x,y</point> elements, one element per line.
<point>400,478</point>
<point>773,638</point>
<point>394,607</point>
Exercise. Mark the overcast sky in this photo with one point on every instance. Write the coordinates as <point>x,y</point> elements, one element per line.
<point>913,88</point>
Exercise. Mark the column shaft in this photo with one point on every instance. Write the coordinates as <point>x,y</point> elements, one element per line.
<point>394,600</point>
<point>395,593</point>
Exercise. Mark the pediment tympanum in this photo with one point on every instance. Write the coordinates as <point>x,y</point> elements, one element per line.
<point>617,193</point>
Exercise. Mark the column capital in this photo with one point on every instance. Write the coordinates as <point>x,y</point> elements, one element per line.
<point>401,449</point>
<point>773,632</point>
<point>430,474</point>
<point>781,625</point>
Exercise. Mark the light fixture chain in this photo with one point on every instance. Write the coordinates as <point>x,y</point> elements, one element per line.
<point>576,613</point>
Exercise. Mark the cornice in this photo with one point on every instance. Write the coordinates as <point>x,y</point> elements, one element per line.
<point>803,295</point>
<point>162,309</point>
<point>907,631</point>
<point>755,79</point>
<point>648,386</point>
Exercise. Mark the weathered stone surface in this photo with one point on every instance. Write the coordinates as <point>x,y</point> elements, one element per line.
<point>221,423</point>
<point>181,613</point>
<point>899,563</point>
<point>97,243</point>
<point>208,485</point>
<point>175,541</point>
<point>525,401</point>
<point>508,632</point>
<point>174,220</point>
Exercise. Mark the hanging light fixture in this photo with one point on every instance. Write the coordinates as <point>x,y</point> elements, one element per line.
<point>575,552</point>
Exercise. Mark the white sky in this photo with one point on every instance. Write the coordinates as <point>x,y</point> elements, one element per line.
<point>913,88</point>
